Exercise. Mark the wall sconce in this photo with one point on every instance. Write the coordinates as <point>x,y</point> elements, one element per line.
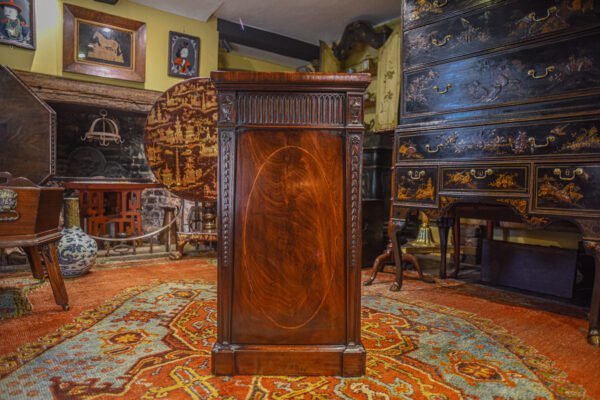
<point>109,131</point>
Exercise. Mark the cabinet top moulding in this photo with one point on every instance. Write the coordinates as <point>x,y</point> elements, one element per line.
<point>233,79</point>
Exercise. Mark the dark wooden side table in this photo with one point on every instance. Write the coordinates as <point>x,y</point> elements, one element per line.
<point>29,216</point>
<point>43,248</point>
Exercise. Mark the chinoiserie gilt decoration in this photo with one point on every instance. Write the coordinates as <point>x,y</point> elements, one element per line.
<point>499,119</point>
<point>180,139</point>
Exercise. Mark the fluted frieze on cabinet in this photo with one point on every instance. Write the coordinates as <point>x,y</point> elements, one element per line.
<point>227,108</point>
<point>314,109</point>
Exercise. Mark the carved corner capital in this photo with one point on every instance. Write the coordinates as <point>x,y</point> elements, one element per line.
<point>355,109</point>
<point>226,107</point>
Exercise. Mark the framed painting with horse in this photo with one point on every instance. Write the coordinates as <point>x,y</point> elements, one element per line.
<point>105,45</point>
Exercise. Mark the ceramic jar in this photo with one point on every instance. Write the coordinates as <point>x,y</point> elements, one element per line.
<point>76,249</point>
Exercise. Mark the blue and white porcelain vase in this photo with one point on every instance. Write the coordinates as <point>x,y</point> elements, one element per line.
<point>76,250</point>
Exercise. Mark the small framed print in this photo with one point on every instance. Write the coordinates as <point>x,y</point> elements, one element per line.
<point>17,23</point>
<point>184,55</point>
<point>105,45</point>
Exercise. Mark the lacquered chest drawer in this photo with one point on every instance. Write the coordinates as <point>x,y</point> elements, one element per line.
<point>536,72</point>
<point>418,11</point>
<point>495,26</point>
<point>485,178</point>
<point>417,185</point>
<point>567,188</point>
<point>575,136</point>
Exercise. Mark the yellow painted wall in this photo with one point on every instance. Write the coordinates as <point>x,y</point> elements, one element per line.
<point>231,61</point>
<point>47,58</point>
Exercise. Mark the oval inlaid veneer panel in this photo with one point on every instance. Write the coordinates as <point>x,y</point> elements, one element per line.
<point>290,274</point>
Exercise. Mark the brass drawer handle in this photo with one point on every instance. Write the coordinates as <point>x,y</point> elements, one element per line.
<point>416,175</point>
<point>437,89</point>
<point>558,172</point>
<point>443,42</point>
<point>549,139</point>
<point>437,148</point>
<point>437,4</point>
<point>548,13</point>
<point>485,174</point>
<point>532,74</point>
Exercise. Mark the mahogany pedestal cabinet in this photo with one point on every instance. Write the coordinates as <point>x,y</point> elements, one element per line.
<point>290,160</point>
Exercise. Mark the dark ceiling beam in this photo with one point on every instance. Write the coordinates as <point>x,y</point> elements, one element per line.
<point>267,41</point>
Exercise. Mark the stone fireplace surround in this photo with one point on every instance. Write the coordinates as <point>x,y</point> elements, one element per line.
<point>77,104</point>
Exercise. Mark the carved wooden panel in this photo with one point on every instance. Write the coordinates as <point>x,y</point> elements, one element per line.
<point>520,76</point>
<point>180,139</point>
<point>27,130</point>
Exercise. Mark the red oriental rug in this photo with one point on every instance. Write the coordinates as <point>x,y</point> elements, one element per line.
<point>152,339</point>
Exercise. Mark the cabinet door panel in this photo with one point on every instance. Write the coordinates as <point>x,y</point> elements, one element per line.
<point>544,71</point>
<point>289,236</point>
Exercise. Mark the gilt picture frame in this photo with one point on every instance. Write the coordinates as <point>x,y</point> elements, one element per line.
<point>104,45</point>
<point>17,23</point>
<point>184,55</point>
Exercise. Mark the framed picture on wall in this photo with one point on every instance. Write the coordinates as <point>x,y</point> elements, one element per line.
<point>184,55</point>
<point>105,45</point>
<point>17,23</point>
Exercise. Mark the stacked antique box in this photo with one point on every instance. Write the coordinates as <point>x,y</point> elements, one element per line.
<point>500,106</point>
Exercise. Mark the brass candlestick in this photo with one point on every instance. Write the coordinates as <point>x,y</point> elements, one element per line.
<point>424,242</point>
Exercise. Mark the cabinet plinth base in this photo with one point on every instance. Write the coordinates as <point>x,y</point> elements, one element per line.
<point>338,360</point>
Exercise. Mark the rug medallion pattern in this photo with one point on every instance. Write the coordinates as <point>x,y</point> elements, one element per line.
<point>154,342</point>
